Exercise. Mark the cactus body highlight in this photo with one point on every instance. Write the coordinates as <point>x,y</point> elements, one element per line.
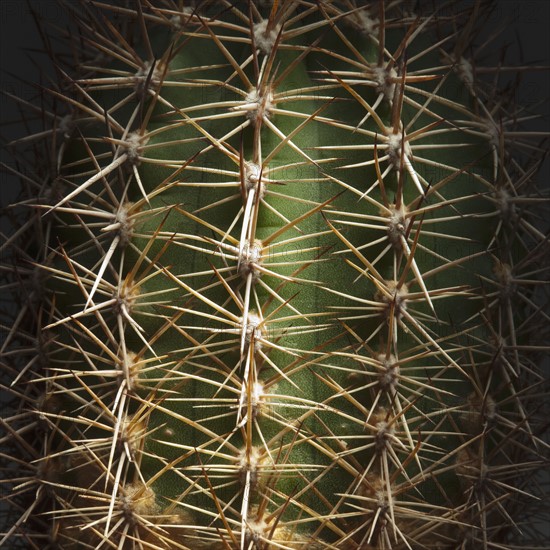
<point>283,289</point>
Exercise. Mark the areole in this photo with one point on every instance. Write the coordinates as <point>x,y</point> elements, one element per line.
<point>279,286</point>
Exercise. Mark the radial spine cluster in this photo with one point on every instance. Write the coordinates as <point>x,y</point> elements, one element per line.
<point>280,276</point>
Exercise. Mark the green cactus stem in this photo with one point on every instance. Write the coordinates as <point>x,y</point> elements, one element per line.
<point>281,281</point>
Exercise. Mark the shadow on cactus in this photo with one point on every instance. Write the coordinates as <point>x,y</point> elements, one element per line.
<point>281,282</point>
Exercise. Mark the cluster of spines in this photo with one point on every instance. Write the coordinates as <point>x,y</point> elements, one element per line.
<point>398,401</point>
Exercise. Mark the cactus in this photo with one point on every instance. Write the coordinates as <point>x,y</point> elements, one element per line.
<point>280,281</point>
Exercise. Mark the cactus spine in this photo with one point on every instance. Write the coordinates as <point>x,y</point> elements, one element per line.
<point>283,286</point>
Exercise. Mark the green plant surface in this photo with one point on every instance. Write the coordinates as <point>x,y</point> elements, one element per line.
<point>281,274</point>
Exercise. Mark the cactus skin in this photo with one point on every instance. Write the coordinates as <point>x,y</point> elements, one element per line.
<point>250,317</point>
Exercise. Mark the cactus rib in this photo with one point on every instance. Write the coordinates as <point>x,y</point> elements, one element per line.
<point>281,280</point>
